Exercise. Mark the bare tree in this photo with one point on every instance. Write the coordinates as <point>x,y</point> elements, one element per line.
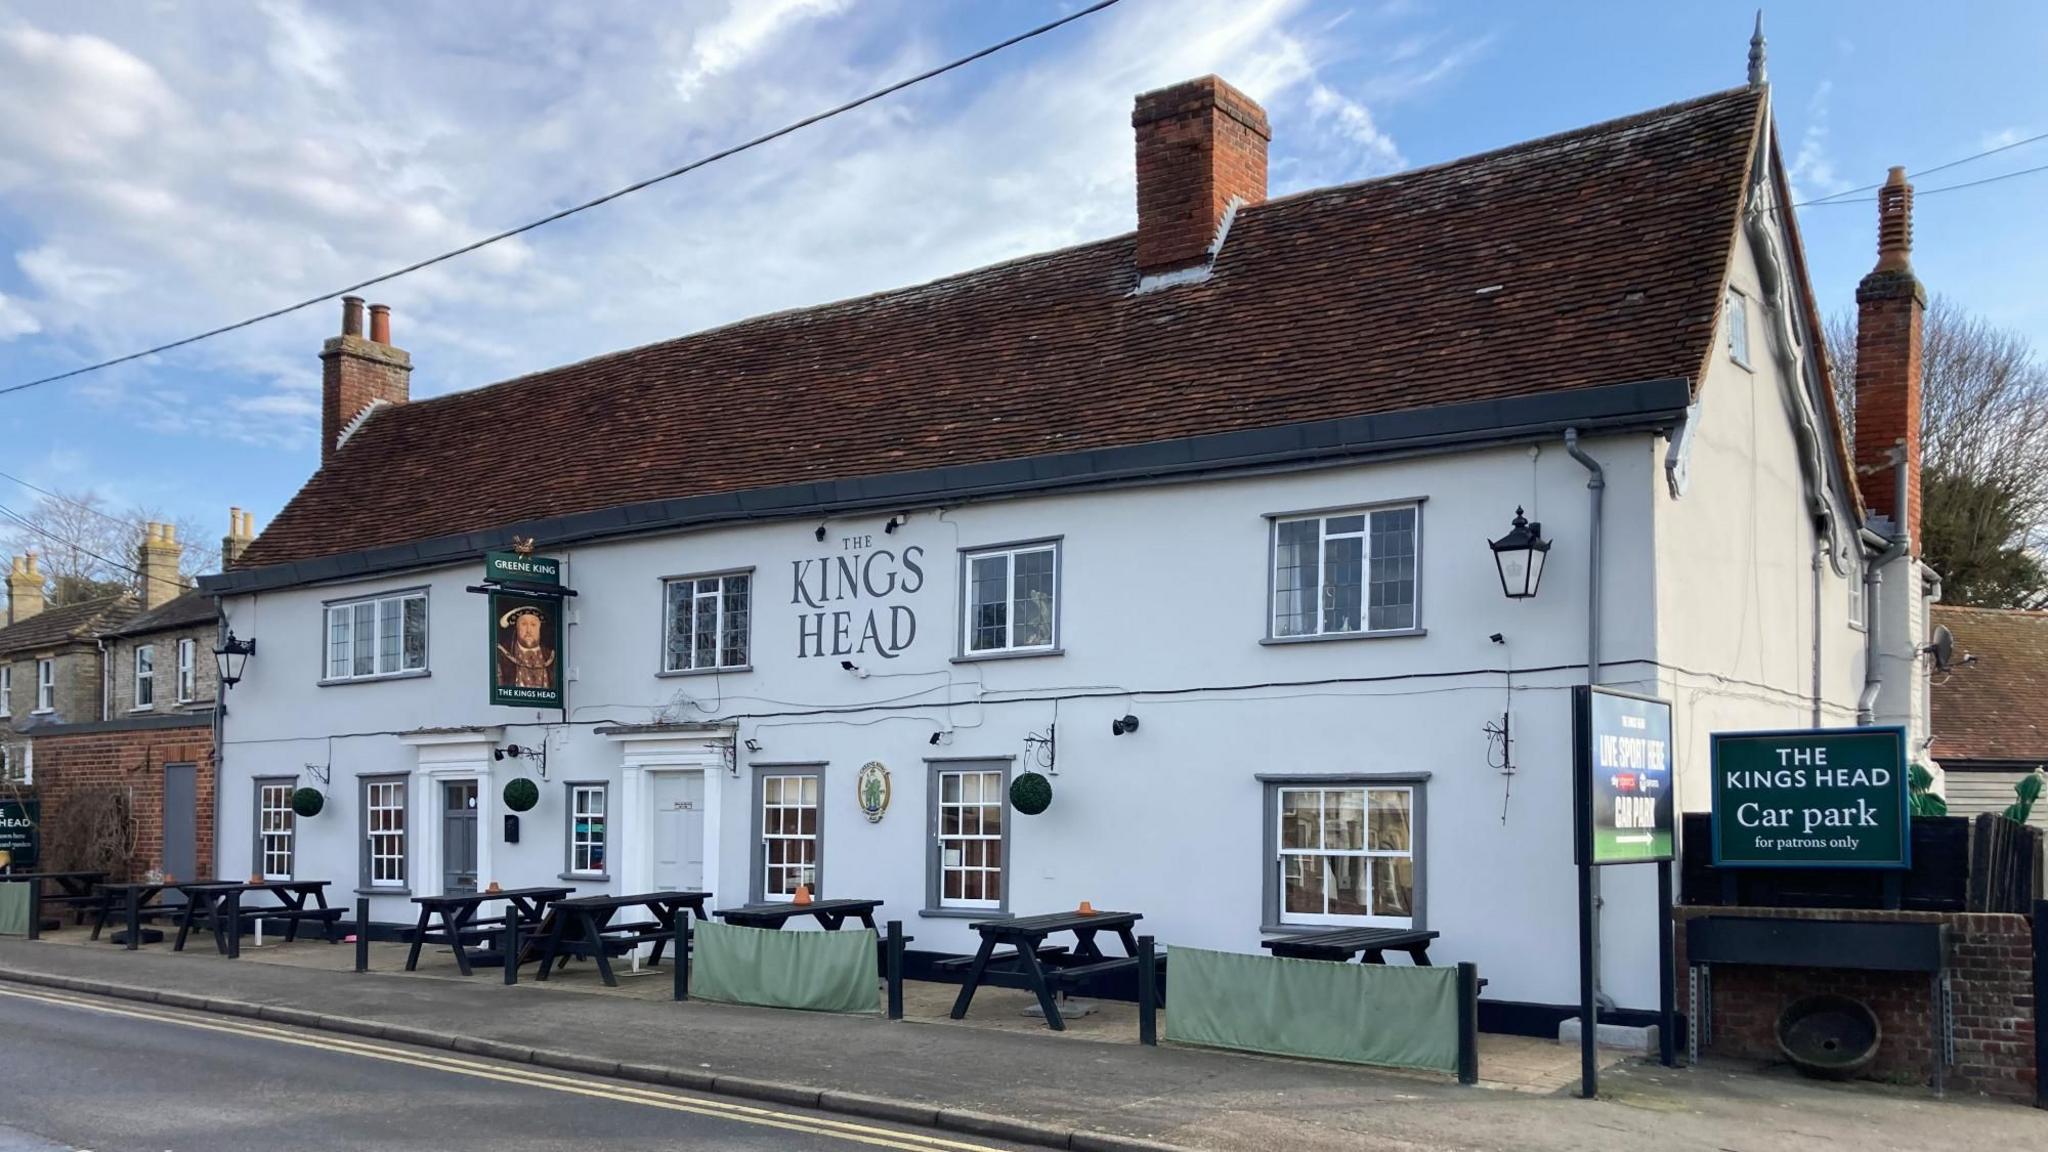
<point>87,548</point>
<point>1984,437</point>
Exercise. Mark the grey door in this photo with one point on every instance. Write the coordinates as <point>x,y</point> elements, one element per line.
<point>458,836</point>
<point>181,825</point>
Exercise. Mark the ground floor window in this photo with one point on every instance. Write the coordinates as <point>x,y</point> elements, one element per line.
<point>276,825</point>
<point>788,838</point>
<point>384,832</point>
<point>970,851</point>
<point>589,829</point>
<point>1343,850</point>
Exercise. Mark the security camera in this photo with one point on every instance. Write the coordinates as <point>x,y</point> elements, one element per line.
<point>1125,723</point>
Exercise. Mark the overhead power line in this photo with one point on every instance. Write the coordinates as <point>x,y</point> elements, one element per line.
<point>74,545</point>
<point>81,505</point>
<point>1833,196</point>
<point>587,205</point>
<point>1925,192</point>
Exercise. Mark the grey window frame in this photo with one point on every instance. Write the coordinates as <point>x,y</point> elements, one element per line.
<point>257,855</point>
<point>720,575</point>
<point>1273,522</point>
<point>934,766</point>
<point>188,670</point>
<point>46,685</point>
<point>569,871</point>
<point>963,602</point>
<point>6,690</point>
<point>363,885</point>
<point>1418,814</point>
<point>757,889</point>
<point>138,679</point>
<point>425,595</point>
<point>1737,309</point>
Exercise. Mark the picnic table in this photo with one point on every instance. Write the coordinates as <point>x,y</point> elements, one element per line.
<point>462,929</point>
<point>1370,945</point>
<point>136,899</point>
<point>1038,967</point>
<point>830,914</point>
<point>584,927</point>
<point>220,905</point>
<point>74,889</point>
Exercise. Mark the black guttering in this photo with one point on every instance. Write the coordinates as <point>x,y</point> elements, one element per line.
<point>1639,406</point>
<point>198,719</point>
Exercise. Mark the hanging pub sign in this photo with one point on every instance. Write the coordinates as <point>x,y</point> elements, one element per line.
<point>525,629</point>
<point>1811,798</point>
<point>20,827</point>
<point>1626,804</point>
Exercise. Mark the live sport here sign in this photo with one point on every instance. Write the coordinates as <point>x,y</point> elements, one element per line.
<point>1812,798</point>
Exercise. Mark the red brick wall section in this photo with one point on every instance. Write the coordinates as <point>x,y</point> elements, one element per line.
<point>134,762</point>
<point>1991,972</point>
<point>1201,145</point>
<point>355,373</point>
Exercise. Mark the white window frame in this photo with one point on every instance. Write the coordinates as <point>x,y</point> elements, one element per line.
<point>384,795</point>
<point>188,670</point>
<point>6,690</point>
<point>1859,599</point>
<point>143,656</point>
<point>1278,918</point>
<point>774,793</point>
<point>723,614</point>
<point>276,827</point>
<point>340,624</point>
<point>1323,595</point>
<point>1738,328</point>
<point>46,685</point>
<point>583,840</point>
<point>987,774</point>
<point>1009,554</point>
<point>18,763</point>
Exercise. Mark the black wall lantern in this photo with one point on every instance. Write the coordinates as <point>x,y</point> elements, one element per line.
<point>231,655</point>
<point>1519,556</point>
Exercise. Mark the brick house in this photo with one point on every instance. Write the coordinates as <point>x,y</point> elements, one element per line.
<point>50,669</point>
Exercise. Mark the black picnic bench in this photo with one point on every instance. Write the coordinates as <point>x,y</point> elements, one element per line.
<point>584,927</point>
<point>1370,945</point>
<point>462,929</point>
<point>219,906</point>
<point>1033,965</point>
<point>137,900</point>
<point>830,914</point>
<point>74,890</point>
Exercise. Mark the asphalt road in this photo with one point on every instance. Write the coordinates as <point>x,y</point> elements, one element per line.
<point>80,1073</point>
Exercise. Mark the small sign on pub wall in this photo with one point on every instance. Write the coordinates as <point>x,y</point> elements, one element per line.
<point>1811,798</point>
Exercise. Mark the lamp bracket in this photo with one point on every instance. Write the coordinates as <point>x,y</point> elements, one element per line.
<point>1043,751</point>
<point>324,773</point>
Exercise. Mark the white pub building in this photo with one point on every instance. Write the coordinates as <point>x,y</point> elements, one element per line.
<point>1193,522</point>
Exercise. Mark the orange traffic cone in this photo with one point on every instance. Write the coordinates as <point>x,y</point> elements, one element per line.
<point>803,894</point>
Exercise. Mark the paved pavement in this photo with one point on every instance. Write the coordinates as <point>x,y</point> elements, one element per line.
<point>1064,1090</point>
<point>108,1076</point>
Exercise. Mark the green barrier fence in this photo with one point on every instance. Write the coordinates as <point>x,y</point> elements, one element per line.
<point>817,971</point>
<point>1399,1017</point>
<point>14,908</point>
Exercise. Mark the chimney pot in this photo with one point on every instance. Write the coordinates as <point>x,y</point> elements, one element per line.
<point>351,315</point>
<point>1201,155</point>
<point>380,323</point>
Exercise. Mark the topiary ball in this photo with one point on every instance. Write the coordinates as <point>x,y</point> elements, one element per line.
<point>308,801</point>
<point>521,794</point>
<point>1030,793</point>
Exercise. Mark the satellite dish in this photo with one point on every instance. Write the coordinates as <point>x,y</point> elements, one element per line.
<point>1943,647</point>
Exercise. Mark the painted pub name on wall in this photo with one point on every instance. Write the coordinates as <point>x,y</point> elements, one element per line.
<point>859,575</point>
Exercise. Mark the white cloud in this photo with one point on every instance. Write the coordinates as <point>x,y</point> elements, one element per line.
<point>1812,171</point>
<point>1354,121</point>
<point>66,279</point>
<point>15,320</point>
<point>748,28</point>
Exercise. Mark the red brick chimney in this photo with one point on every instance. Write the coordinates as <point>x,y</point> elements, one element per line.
<point>1889,305</point>
<point>356,373</point>
<point>1201,149</point>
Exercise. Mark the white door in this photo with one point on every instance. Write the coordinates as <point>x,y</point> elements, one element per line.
<point>678,831</point>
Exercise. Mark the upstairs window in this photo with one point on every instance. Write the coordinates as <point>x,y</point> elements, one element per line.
<point>145,676</point>
<point>1012,599</point>
<point>1738,328</point>
<point>1346,573</point>
<point>46,685</point>
<point>378,636</point>
<point>708,622</point>
<point>188,670</point>
<point>7,690</point>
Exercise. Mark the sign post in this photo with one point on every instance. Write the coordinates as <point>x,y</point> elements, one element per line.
<point>1812,798</point>
<point>1624,813</point>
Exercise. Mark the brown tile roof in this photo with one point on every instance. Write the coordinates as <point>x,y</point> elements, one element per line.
<point>53,627</point>
<point>1601,252</point>
<point>189,610</point>
<point>1995,708</point>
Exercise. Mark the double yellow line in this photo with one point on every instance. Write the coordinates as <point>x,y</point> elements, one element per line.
<point>512,1074</point>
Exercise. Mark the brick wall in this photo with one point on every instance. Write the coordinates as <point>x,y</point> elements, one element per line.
<point>132,759</point>
<point>1991,971</point>
<point>206,671</point>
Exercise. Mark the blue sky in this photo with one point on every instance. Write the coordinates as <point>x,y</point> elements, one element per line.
<point>164,171</point>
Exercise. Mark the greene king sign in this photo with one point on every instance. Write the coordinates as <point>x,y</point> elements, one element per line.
<point>1812,798</point>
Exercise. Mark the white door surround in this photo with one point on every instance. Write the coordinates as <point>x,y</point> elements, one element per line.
<point>443,756</point>
<point>646,751</point>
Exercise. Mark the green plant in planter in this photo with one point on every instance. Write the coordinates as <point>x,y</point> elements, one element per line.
<point>521,794</point>
<point>308,802</point>
<point>2028,790</point>
<point>1030,793</point>
<point>1921,801</point>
